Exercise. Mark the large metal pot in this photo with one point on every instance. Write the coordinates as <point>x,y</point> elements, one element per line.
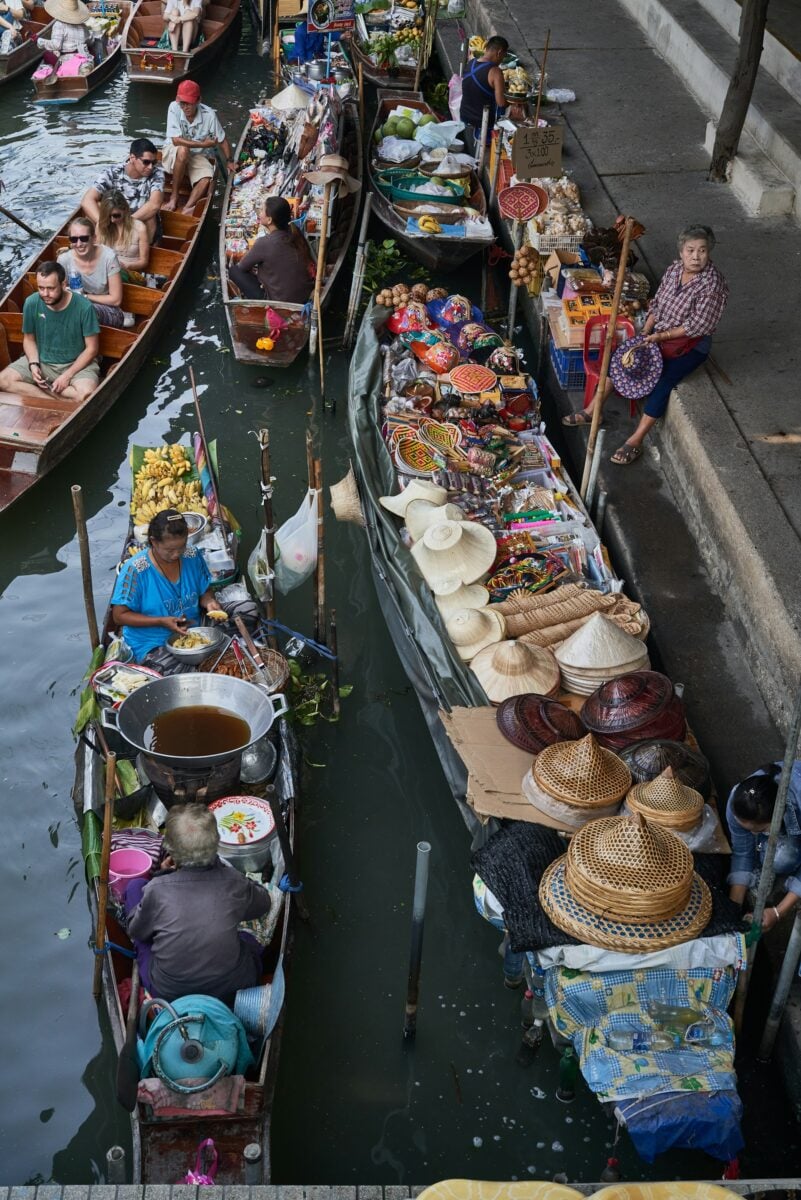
<point>237,696</point>
<point>317,69</point>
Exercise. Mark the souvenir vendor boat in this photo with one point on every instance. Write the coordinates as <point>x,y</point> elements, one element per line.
<point>69,89</point>
<point>326,127</point>
<point>26,53</point>
<point>164,1144</point>
<point>397,208</point>
<point>35,433</point>
<point>146,63</point>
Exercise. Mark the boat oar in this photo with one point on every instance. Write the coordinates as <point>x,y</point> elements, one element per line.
<point>202,431</point>
<point>86,564</point>
<point>358,273</point>
<point>128,1061</point>
<point>102,887</point>
<point>37,233</point>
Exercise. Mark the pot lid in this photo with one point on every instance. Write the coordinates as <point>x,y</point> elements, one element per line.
<point>242,820</point>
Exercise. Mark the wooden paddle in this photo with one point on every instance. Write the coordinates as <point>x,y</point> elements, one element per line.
<point>102,891</point>
<point>128,1061</point>
<point>37,233</point>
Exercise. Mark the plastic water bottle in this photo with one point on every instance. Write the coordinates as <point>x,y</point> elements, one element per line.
<point>75,282</point>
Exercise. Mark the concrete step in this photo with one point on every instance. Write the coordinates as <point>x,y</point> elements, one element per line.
<point>781,50</point>
<point>690,41</point>
<point>754,179</point>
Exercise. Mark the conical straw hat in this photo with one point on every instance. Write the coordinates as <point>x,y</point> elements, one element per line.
<point>345,499</point>
<point>474,628</point>
<point>290,97</point>
<point>71,12</point>
<point>667,801</point>
<point>582,773</point>
<point>422,513</point>
<point>418,489</point>
<point>449,550</point>
<point>598,645</point>
<point>513,668</point>
<point>471,595</point>
<point>569,816</point>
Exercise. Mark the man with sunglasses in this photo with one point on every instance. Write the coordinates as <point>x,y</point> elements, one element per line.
<point>140,179</point>
<point>193,134</point>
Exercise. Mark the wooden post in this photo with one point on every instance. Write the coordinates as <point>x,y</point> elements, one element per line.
<point>421,48</point>
<point>269,520</point>
<point>542,78</point>
<point>332,646</point>
<point>319,574</point>
<point>497,140</point>
<point>358,274</point>
<point>607,354</point>
<point>318,282</point>
<point>204,441</point>
<point>482,149</point>
<point>741,87</point>
<point>361,97</point>
<point>102,889</point>
<point>465,51</point>
<point>86,564</point>
<point>517,242</point>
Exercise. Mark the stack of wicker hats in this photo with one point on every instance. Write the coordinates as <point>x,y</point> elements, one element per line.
<point>451,553</point>
<point>532,722</point>
<point>626,885</point>
<point>510,669</point>
<point>646,760</point>
<point>575,782</point>
<point>668,802</point>
<point>472,629</point>
<point>635,707</point>
<point>596,652</point>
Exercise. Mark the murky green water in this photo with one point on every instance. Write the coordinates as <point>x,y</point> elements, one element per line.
<point>353,1104</point>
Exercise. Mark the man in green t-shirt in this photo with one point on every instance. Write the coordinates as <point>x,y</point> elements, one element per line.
<point>60,342</point>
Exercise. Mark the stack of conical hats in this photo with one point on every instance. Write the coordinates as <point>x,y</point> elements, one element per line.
<point>668,802</point>
<point>512,668</point>
<point>596,652</point>
<point>575,782</point>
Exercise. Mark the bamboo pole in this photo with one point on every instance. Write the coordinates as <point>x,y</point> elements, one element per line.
<point>361,97</point>
<point>318,281</point>
<point>102,891</point>
<point>482,149</point>
<point>358,273</point>
<point>496,167</point>
<point>204,441</point>
<point>542,77</point>
<point>421,49</point>
<point>332,646</point>
<point>517,242</point>
<point>319,574</point>
<point>269,521</point>
<point>607,354</point>
<point>86,564</point>
<point>789,970</point>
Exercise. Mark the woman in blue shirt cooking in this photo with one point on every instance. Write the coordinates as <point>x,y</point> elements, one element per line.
<point>748,813</point>
<point>163,589</point>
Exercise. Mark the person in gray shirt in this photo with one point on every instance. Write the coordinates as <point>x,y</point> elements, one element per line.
<point>184,921</point>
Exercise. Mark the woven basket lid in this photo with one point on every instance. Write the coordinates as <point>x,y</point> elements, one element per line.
<point>647,759</point>
<point>582,773</point>
<point>669,724</point>
<point>474,628</point>
<point>533,722</point>
<point>569,816</point>
<point>627,701</point>
<point>667,801</point>
<point>512,668</point>
<point>345,499</point>
<point>598,645</point>
<point>454,550</point>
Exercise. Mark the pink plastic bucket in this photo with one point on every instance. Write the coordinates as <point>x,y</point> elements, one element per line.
<point>125,865</point>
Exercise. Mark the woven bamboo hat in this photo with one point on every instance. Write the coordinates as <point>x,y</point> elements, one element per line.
<point>345,499</point>
<point>648,759</point>
<point>422,513</point>
<point>533,722</point>
<point>71,12</point>
<point>626,885</point>
<point>667,801</point>
<point>512,668</point>
<point>471,595</point>
<point>474,628</point>
<point>582,773</point>
<point>454,550</point>
<point>570,817</point>
<point>597,651</point>
<point>418,489</point>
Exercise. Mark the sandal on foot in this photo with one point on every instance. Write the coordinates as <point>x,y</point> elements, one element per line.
<point>577,418</point>
<point>626,454</point>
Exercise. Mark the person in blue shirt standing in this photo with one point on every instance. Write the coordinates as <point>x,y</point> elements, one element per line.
<point>483,85</point>
<point>748,813</point>
<point>162,589</point>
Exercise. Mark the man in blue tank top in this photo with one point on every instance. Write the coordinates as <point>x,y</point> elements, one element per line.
<point>483,85</point>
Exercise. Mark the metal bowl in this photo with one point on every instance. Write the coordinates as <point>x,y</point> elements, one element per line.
<point>193,657</point>
<point>197,524</point>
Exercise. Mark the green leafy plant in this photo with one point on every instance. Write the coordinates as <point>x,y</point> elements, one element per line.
<point>307,693</point>
<point>437,96</point>
<point>386,261</point>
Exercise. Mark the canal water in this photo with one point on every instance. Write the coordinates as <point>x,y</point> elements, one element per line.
<point>353,1103</point>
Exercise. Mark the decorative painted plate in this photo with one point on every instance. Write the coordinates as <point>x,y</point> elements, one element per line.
<point>242,819</point>
<point>440,435</point>
<point>520,202</point>
<point>414,457</point>
<point>471,377</point>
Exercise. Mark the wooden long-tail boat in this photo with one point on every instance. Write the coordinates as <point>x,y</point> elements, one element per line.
<point>26,53</point>
<point>438,252</point>
<point>247,318</point>
<point>73,88</point>
<point>38,432</point>
<point>144,27</point>
<point>399,78</point>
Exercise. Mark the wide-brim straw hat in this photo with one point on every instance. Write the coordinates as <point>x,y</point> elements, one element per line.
<point>422,513</point>
<point>333,168</point>
<point>418,489</point>
<point>345,499</point>
<point>473,629</point>
<point>463,595</point>
<point>568,816</point>
<point>635,368</point>
<point>582,773</point>
<point>667,801</point>
<point>512,668</point>
<point>626,885</point>
<point>454,550</point>
<point>532,722</point>
<point>71,12</point>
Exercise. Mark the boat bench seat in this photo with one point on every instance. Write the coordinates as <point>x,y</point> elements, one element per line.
<point>162,261</point>
<point>147,27</point>
<point>113,342</point>
<point>210,28</point>
<point>142,301</point>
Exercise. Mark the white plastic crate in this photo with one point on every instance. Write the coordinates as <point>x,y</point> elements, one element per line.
<point>546,243</point>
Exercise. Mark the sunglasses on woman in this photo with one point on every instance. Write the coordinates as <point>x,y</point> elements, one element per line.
<point>117,216</point>
<point>82,238</point>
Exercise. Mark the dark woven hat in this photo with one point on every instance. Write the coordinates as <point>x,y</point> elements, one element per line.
<point>627,702</point>
<point>668,725</point>
<point>647,759</point>
<point>533,722</point>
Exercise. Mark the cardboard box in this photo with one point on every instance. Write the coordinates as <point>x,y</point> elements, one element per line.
<point>553,267</point>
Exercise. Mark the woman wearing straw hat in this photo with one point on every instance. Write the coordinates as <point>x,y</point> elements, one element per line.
<point>683,315</point>
<point>748,812</point>
<point>69,34</point>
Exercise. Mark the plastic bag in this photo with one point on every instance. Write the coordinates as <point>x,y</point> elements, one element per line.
<point>441,133</point>
<point>398,150</point>
<point>260,574</point>
<point>206,1152</point>
<point>296,543</point>
<point>455,96</point>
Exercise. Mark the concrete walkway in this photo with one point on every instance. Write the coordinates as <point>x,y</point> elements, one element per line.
<point>731,442</point>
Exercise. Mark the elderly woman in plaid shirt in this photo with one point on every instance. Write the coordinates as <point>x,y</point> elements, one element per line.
<point>683,315</point>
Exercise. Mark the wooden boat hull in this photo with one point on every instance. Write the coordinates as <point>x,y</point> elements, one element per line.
<point>247,318</point>
<point>437,254</point>
<point>28,54</point>
<point>148,65</point>
<point>397,78</point>
<point>36,434</point>
<point>77,87</point>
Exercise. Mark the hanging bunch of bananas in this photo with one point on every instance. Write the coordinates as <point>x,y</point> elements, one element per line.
<point>159,484</point>
<point>477,45</point>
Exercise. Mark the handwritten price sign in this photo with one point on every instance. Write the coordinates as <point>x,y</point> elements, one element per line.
<point>537,153</point>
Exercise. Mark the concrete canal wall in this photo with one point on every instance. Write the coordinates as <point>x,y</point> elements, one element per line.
<point>743,1187</point>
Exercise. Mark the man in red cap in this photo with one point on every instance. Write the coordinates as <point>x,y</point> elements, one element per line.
<point>193,133</point>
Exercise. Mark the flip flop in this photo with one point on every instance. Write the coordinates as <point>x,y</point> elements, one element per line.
<point>577,418</point>
<point>626,455</point>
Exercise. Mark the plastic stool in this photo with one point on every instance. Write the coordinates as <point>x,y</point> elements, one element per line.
<point>594,338</point>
